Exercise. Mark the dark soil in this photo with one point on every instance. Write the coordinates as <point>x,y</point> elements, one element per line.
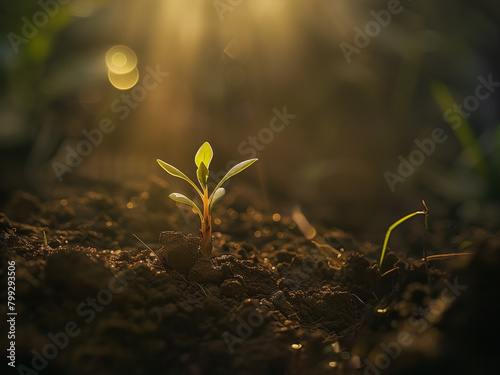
<point>268,301</point>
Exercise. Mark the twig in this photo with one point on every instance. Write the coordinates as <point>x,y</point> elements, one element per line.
<point>154,252</point>
<point>424,249</point>
<point>447,256</point>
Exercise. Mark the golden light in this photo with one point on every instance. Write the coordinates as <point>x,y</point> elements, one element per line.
<point>124,81</point>
<point>305,227</point>
<point>118,59</point>
<point>121,59</point>
<point>122,67</point>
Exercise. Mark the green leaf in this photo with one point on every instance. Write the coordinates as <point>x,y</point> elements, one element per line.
<point>235,170</point>
<point>218,195</point>
<point>177,173</point>
<point>204,154</point>
<point>202,174</point>
<point>181,198</point>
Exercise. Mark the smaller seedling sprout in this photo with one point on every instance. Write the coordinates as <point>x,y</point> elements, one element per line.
<point>202,160</point>
<point>425,212</point>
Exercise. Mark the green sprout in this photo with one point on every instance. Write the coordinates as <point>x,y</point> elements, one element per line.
<point>425,212</point>
<point>202,160</point>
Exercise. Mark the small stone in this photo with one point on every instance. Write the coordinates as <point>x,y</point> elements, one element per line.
<point>227,272</point>
<point>232,288</point>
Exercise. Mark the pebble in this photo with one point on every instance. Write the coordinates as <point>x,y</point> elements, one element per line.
<point>232,288</point>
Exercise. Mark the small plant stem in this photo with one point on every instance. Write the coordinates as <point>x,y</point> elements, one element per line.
<point>394,225</point>
<point>424,249</point>
<point>206,226</point>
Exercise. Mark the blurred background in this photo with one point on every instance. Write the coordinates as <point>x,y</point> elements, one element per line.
<point>329,95</point>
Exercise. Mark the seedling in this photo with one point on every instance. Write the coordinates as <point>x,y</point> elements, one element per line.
<point>202,160</point>
<point>425,212</point>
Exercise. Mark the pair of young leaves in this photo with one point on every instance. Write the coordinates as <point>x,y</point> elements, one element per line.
<point>202,160</point>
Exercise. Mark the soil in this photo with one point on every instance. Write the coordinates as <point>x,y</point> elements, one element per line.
<point>92,299</point>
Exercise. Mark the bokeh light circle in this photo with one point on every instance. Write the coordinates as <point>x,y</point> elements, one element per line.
<point>121,59</point>
<point>124,81</point>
